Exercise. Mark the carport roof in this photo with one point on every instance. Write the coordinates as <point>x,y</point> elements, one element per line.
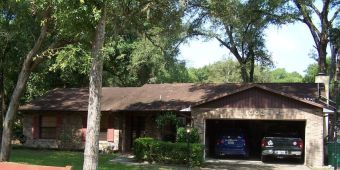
<point>162,97</point>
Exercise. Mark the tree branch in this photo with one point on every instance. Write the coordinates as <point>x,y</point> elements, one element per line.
<point>334,16</point>
<point>223,43</point>
<point>29,61</point>
<point>153,43</point>
<point>308,21</point>
<point>50,51</point>
<point>232,49</point>
<point>315,9</point>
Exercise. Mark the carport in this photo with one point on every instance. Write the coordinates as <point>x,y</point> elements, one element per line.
<point>254,131</point>
<point>255,109</point>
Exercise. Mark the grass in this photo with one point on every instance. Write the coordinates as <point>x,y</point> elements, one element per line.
<point>62,158</point>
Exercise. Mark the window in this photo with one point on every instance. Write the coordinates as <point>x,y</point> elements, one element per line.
<point>48,127</point>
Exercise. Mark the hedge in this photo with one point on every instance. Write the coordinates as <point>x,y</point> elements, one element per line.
<point>181,135</point>
<point>153,150</point>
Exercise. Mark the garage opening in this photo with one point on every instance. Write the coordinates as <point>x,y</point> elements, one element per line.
<point>253,131</point>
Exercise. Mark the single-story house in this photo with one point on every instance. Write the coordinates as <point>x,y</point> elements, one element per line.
<point>58,119</point>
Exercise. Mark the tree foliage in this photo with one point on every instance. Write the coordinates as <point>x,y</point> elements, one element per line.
<point>168,118</point>
<point>239,26</point>
<point>224,72</point>
<point>280,75</point>
<point>312,71</point>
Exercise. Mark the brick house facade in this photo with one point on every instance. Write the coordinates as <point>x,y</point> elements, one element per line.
<point>58,119</point>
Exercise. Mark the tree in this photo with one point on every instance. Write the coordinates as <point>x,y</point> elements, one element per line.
<point>280,75</point>
<point>28,65</point>
<point>224,72</point>
<point>15,43</point>
<point>312,71</point>
<point>95,92</point>
<point>239,26</point>
<point>335,60</point>
<point>320,34</point>
<point>131,10</point>
<point>138,61</point>
<point>198,75</point>
<point>43,44</point>
<point>334,34</point>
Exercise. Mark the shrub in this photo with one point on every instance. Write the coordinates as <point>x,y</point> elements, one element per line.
<point>166,152</point>
<point>167,123</point>
<point>142,148</point>
<point>181,135</point>
<point>168,118</point>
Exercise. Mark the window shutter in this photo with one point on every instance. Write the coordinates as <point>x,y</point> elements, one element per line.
<point>35,126</point>
<point>110,130</point>
<point>59,123</point>
<point>83,129</point>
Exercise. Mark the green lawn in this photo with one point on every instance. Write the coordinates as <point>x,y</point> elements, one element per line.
<point>63,158</point>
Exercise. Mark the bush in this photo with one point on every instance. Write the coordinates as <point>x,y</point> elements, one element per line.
<point>181,135</point>
<point>141,148</point>
<point>168,118</point>
<point>166,152</point>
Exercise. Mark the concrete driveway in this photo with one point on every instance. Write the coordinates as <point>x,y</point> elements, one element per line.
<point>226,164</point>
<point>251,165</point>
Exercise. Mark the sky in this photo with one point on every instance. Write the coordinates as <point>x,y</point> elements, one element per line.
<point>289,46</point>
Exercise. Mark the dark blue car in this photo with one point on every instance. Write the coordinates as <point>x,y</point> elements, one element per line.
<point>231,143</point>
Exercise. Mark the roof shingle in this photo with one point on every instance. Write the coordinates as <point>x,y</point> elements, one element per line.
<point>157,96</point>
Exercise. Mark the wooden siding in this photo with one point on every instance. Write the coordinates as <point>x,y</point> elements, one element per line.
<point>255,98</point>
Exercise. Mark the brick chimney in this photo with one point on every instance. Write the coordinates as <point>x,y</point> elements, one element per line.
<point>322,78</point>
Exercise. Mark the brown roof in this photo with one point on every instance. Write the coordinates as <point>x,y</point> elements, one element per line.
<point>162,96</point>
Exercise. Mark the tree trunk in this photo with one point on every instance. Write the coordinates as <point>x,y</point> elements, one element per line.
<point>322,56</point>
<point>95,90</point>
<point>332,64</point>
<point>2,96</point>
<point>336,78</point>
<point>252,66</point>
<point>244,73</point>
<point>18,90</point>
<point>332,70</point>
<point>2,87</point>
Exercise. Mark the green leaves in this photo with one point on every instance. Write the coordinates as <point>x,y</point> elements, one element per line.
<point>280,75</point>
<point>183,136</point>
<point>168,118</point>
<point>239,26</point>
<point>165,152</point>
<point>225,71</point>
<point>72,58</point>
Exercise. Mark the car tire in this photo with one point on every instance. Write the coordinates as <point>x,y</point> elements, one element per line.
<point>264,158</point>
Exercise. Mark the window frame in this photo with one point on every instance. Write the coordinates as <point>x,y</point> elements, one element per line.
<point>47,127</point>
